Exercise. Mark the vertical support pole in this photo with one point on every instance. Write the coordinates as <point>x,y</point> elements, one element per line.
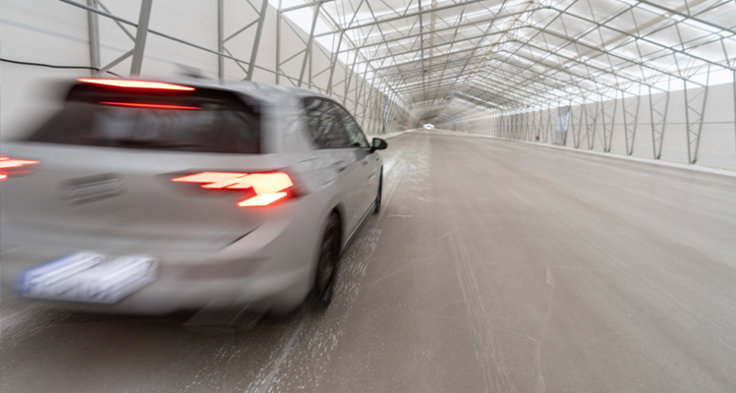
<point>348,79</point>
<point>368,100</point>
<point>359,92</point>
<point>524,126</point>
<point>591,121</point>
<point>377,110</point>
<point>540,125</point>
<point>94,38</point>
<point>519,126</point>
<point>140,37</point>
<point>695,116</point>
<point>278,43</point>
<point>388,110</point>
<point>371,112</point>
<point>571,124</point>
<point>220,42</point>
<point>580,125</point>
<point>383,114</point>
<point>310,71</point>
<point>308,50</point>
<point>569,119</point>
<point>701,120</point>
<point>687,123</point>
<point>257,40</point>
<point>631,119</point>
<point>658,114</point>
<point>531,124</point>
<point>333,62</point>
<point>551,124</point>
<point>609,120</point>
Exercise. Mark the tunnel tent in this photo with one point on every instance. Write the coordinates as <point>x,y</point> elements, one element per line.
<point>641,78</point>
<point>453,61</point>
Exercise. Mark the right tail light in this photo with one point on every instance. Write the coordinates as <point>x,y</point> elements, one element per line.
<point>267,187</point>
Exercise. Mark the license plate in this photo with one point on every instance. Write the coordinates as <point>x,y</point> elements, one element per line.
<point>88,277</point>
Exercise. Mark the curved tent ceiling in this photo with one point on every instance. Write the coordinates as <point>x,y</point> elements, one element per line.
<point>447,58</point>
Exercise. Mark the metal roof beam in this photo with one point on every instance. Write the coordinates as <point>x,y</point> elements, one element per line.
<point>395,18</point>
<point>466,24</point>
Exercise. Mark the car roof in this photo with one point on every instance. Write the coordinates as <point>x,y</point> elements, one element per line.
<point>261,91</point>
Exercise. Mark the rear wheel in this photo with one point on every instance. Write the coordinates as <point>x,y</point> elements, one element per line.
<point>329,258</point>
<point>377,203</point>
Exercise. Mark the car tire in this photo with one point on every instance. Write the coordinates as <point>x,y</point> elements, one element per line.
<point>377,203</point>
<point>325,277</point>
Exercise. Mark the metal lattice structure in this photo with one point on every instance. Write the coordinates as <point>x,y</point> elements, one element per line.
<point>444,60</point>
<point>449,59</point>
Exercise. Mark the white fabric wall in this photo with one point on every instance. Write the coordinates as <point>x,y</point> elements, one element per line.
<point>717,143</point>
<point>52,32</point>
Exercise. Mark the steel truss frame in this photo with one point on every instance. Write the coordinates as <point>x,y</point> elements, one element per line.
<point>356,92</point>
<point>445,61</point>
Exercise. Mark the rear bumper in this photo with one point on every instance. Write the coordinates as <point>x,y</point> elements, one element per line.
<point>270,268</point>
<point>257,292</point>
<point>279,292</point>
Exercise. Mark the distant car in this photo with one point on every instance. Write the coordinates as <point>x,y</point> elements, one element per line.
<point>150,197</point>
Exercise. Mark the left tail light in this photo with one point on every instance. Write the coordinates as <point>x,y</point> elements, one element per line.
<point>266,187</point>
<point>11,166</point>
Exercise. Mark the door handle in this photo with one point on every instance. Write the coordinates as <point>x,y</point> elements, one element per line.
<point>364,162</point>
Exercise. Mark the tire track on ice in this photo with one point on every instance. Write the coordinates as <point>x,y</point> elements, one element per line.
<point>488,352</point>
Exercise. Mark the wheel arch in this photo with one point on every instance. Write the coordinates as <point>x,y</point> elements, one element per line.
<point>339,210</point>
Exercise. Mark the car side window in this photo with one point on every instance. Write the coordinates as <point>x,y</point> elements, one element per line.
<point>357,138</point>
<point>325,124</point>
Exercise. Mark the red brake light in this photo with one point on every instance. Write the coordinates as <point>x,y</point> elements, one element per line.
<point>10,163</point>
<point>262,200</point>
<point>149,106</point>
<point>135,84</point>
<point>7,162</point>
<point>268,187</point>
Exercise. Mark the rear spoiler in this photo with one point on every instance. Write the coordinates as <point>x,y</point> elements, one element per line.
<point>162,94</point>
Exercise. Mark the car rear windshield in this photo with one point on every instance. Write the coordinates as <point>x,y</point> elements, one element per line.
<point>214,123</point>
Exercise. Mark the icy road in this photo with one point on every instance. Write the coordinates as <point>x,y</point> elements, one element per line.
<point>494,267</point>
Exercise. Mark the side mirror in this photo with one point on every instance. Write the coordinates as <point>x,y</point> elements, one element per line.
<point>378,144</point>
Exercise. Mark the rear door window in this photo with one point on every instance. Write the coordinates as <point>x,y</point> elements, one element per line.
<point>325,124</point>
<point>185,123</point>
<point>357,138</point>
